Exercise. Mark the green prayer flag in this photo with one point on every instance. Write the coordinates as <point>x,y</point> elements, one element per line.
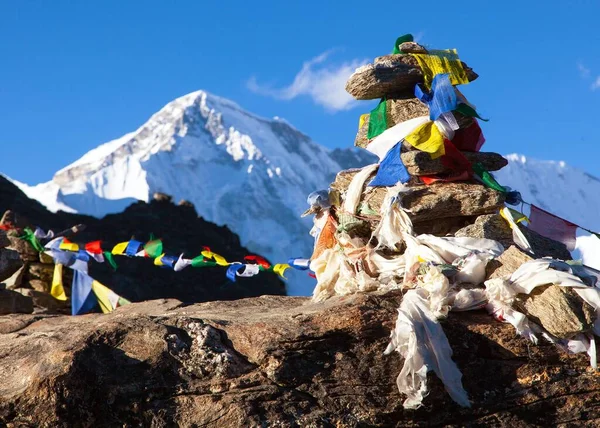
<point>110,259</point>
<point>377,120</point>
<point>200,262</point>
<point>596,234</point>
<point>400,40</point>
<point>469,111</point>
<point>30,236</point>
<point>154,248</point>
<point>487,178</point>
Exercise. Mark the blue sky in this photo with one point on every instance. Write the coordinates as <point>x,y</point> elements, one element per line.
<point>76,74</point>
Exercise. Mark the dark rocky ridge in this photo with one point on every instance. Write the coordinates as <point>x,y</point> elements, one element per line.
<point>138,279</point>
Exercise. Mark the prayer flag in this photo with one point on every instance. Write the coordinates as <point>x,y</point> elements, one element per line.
<point>153,248</point>
<point>165,260</point>
<point>132,248</point>
<point>108,299</point>
<point>442,97</point>
<point>400,40</point>
<point>201,262</point>
<point>67,245</point>
<point>299,263</point>
<point>427,138</point>
<point>232,270</point>
<point>57,291</point>
<point>454,160</point>
<point>362,119</point>
<point>220,260</point>
<point>487,178</point>
<point>377,120</point>
<point>32,239</point>
<point>181,263</point>
<point>440,62</point>
<point>259,260</point>
<point>469,139</point>
<point>94,247</point>
<point>391,170</point>
<point>280,269</point>
<point>119,249</point>
<point>553,227</point>
<point>110,259</point>
<point>82,298</point>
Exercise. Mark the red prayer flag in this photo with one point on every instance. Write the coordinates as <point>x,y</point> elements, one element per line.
<point>454,160</point>
<point>469,139</point>
<point>94,247</point>
<point>553,227</point>
<point>259,261</point>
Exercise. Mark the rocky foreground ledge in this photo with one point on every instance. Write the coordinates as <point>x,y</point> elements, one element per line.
<point>273,361</point>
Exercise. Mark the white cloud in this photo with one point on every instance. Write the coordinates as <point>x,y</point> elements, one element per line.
<point>321,81</point>
<point>583,70</point>
<point>596,84</point>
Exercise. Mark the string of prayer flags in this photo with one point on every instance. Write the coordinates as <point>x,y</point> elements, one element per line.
<point>391,170</point>
<point>441,98</point>
<point>402,39</point>
<point>465,107</point>
<point>58,291</point>
<point>427,138</point>
<point>377,120</point>
<point>553,227</point>
<point>441,62</point>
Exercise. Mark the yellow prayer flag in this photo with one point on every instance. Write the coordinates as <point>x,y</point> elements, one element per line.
<point>440,62</point>
<point>362,119</point>
<point>280,269</point>
<point>57,291</point>
<point>68,246</point>
<point>220,260</point>
<point>119,248</point>
<point>107,298</point>
<point>158,260</point>
<point>427,138</point>
<point>518,216</point>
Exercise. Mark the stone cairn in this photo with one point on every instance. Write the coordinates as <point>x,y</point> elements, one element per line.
<point>464,208</point>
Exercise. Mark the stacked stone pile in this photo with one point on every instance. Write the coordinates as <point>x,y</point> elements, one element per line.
<point>447,194</point>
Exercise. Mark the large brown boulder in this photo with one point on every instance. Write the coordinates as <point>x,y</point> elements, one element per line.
<point>12,302</point>
<point>440,200</point>
<point>394,76</point>
<point>273,361</point>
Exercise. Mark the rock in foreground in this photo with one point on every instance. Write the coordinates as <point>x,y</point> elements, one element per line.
<point>272,361</point>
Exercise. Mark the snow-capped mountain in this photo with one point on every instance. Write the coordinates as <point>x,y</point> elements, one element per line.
<point>250,173</point>
<point>565,191</point>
